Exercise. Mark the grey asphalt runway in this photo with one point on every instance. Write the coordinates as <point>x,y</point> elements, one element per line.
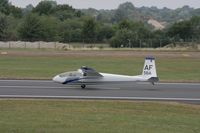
<point>187,92</point>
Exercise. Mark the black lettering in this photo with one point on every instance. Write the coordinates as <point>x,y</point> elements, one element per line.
<point>148,67</point>
<point>147,73</point>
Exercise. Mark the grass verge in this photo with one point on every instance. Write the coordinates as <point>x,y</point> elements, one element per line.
<point>60,116</point>
<point>45,67</point>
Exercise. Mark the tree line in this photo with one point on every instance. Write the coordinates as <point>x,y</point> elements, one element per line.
<point>49,21</point>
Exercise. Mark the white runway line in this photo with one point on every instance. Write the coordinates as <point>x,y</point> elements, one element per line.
<point>31,87</point>
<point>98,97</point>
<point>41,81</point>
<point>50,81</point>
<point>179,83</point>
<point>146,83</point>
<point>56,87</point>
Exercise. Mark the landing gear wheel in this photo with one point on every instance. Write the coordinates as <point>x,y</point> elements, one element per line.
<point>83,86</point>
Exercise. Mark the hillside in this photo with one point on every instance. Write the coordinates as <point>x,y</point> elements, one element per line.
<point>145,14</point>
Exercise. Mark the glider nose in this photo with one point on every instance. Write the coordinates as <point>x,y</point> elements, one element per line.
<point>57,79</point>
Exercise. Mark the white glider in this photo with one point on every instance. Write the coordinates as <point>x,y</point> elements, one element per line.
<point>88,76</point>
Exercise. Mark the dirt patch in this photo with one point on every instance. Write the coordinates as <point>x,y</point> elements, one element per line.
<point>100,53</point>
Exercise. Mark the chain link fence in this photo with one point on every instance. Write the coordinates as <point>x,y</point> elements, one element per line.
<point>36,45</point>
<point>134,44</point>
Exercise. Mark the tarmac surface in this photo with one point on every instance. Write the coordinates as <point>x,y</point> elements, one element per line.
<point>184,92</point>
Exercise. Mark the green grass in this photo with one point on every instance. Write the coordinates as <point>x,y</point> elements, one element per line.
<point>178,69</point>
<point>51,116</point>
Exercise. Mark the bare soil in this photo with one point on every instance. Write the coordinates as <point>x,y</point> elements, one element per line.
<point>100,53</point>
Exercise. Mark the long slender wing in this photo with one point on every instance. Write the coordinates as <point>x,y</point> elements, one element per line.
<point>87,71</point>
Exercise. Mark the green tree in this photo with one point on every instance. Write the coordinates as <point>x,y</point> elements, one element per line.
<point>3,27</point>
<point>195,22</point>
<point>122,38</point>
<point>181,30</point>
<point>64,12</point>
<point>124,24</point>
<point>31,29</point>
<point>15,11</point>
<point>159,38</point>
<point>49,28</point>
<point>187,30</point>
<point>104,33</point>
<point>13,25</point>
<point>119,16</point>
<point>89,30</point>
<point>125,11</point>
<point>130,34</point>
<point>4,7</point>
<point>45,7</point>
<point>76,35</point>
<point>71,30</point>
<point>78,13</point>
<point>28,9</point>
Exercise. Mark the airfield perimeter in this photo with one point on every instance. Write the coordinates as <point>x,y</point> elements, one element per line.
<point>173,66</point>
<point>53,115</point>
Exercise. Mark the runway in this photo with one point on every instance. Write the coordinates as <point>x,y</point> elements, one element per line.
<point>187,92</point>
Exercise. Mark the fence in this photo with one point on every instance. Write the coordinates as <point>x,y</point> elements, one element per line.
<point>37,45</point>
<point>57,45</point>
<point>49,45</point>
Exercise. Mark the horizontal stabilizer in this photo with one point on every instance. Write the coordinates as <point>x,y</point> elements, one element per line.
<point>153,79</point>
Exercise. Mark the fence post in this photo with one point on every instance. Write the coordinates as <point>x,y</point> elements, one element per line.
<point>25,45</point>
<point>160,43</point>
<point>9,45</point>
<point>38,45</point>
<point>55,45</point>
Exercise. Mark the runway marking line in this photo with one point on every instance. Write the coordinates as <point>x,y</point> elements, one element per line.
<point>45,81</point>
<point>56,87</point>
<point>31,87</point>
<point>145,83</point>
<point>50,81</point>
<point>98,97</point>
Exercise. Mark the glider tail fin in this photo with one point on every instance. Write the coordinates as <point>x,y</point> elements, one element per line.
<point>149,70</point>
